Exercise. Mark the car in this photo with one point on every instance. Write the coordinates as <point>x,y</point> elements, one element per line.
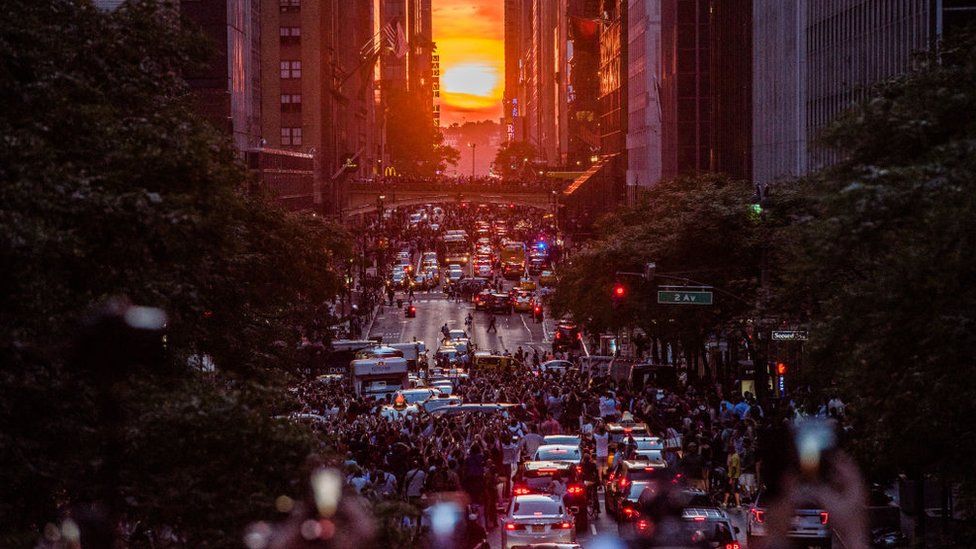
<point>539,477</point>
<point>628,511</point>
<point>527,283</point>
<point>456,334</point>
<point>483,269</point>
<point>556,366</point>
<point>566,440</point>
<point>621,430</point>
<point>391,412</point>
<point>440,401</point>
<point>522,302</point>
<point>500,303</point>
<point>567,337</point>
<point>649,447</point>
<point>627,472</point>
<point>454,275</point>
<point>810,525</point>
<point>558,452</point>
<point>417,396</point>
<point>535,267</point>
<point>482,300</point>
<point>536,518</point>
<point>475,408</point>
<point>547,279</point>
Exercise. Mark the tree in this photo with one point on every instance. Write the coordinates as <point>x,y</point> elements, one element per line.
<point>416,145</point>
<point>694,227</point>
<point>881,257</point>
<point>112,185</point>
<point>513,158</point>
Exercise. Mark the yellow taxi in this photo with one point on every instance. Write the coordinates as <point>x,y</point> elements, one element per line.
<point>547,279</point>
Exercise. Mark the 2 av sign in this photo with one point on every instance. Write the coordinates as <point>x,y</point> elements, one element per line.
<point>684,297</point>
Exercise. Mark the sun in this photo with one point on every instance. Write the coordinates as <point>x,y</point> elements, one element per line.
<point>470,78</point>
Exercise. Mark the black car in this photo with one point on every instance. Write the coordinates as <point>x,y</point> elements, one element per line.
<point>500,303</point>
<point>482,300</point>
<point>538,477</point>
<point>619,480</point>
<point>567,338</point>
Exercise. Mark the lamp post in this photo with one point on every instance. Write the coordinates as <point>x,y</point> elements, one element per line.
<point>473,146</point>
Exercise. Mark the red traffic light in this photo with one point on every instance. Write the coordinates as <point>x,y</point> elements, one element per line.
<point>780,368</point>
<point>619,291</point>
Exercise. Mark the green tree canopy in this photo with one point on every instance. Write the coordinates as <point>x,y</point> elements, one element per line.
<point>880,254</point>
<point>112,185</point>
<point>514,158</point>
<point>694,227</point>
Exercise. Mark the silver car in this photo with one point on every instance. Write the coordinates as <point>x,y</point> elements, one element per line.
<point>537,518</point>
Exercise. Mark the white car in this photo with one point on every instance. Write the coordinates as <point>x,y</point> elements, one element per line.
<point>391,412</point>
<point>537,518</point>
<point>441,401</point>
<point>416,396</point>
<point>558,452</point>
<point>484,270</point>
<point>555,366</point>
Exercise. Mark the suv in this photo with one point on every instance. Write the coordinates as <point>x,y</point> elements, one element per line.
<point>500,303</point>
<point>537,477</point>
<point>567,337</point>
<point>809,527</point>
<point>620,479</point>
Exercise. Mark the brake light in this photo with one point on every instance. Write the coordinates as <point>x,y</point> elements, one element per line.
<point>575,490</point>
<point>760,516</point>
<point>643,526</point>
<point>699,519</point>
<point>733,545</point>
<point>520,490</point>
<point>623,483</point>
<point>629,512</point>
<point>824,517</point>
<point>648,468</point>
<point>511,526</point>
<point>562,525</point>
<point>558,335</point>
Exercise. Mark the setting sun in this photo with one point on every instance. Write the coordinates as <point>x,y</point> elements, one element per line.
<point>470,41</point>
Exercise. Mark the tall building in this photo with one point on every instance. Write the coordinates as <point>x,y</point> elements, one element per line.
<point>730,87</point>
<point>814,59</point>
<point>317,91</point>
<point>582,98</point>
<point>644,114</point>
<point>227,90</point>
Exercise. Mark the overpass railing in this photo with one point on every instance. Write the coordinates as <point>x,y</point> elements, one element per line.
<point>464,186</point>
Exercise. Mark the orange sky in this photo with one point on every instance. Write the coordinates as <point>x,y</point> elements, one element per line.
<point>470,38</point>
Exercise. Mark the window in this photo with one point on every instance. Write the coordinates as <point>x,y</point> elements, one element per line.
<point>291,136</point>
<point>291,69</point>
<point>290,6</point>
<point>291,102</point>
<point>290,35</point>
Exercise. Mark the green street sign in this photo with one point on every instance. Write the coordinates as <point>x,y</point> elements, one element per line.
<point>684,297</point>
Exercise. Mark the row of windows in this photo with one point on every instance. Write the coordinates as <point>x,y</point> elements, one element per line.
<point>291,102</point>
<point>290,35</point>
<point>289,6</point>
<point>291,136</point>
<point>291,69</point>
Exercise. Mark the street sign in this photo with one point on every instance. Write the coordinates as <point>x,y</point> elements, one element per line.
<point>678,296</point>
<point>789,335</point>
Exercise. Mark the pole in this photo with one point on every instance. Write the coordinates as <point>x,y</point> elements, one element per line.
<point>473,146</point>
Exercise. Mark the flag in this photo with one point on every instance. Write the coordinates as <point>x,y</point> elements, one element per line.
<point>395,38</point>
<point>584,28</point>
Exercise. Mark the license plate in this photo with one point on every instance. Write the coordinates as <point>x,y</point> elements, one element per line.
<point>536,528</point>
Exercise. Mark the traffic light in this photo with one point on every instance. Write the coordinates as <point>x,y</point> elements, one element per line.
<point>780,368</point>
<point>618,293</point>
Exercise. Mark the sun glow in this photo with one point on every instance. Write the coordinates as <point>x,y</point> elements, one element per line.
<point>470,42</point>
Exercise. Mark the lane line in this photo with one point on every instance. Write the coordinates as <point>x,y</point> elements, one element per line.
<point>593,529</point>
<point>524,325</point>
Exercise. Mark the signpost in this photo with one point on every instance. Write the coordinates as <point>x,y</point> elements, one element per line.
<point>789,335</point>
<point>684,295</point>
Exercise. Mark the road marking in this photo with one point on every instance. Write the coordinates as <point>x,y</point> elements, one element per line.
<point>526,326</point>
<point>593,529</point>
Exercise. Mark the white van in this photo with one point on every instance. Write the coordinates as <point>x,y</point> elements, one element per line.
<point>379,377</point>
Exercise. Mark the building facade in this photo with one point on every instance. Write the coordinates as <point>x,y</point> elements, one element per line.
<point>317,91</point>
<point>227,91</point>
<point>814,59</point>
<point>644,115</point>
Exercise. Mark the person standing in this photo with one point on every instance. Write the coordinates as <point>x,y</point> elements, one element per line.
<point>413,483</point>
<point>733,467</point>
<point>601,439</point>
<point>491,324</point>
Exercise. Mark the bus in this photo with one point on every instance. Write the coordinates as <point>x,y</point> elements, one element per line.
<point>456,249</point>
<point>513,252</point>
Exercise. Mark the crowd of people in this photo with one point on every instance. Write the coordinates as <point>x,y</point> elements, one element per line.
<point>462,184</point>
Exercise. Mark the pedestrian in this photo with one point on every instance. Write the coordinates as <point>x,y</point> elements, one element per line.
<point>733,470</point>
<point>601,439</point>
<point>413,483</point>
<point>491,324</point>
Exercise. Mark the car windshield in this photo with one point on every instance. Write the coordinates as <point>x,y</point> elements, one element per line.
<point>536,507</point>
<point>557,454</point>
<point>416,396</point>
<point>636,489</point>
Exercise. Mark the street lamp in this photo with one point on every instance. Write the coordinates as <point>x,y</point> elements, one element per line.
<point>473,147</point>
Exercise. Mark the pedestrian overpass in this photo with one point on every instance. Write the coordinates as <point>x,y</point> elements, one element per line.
<point>366,198</point>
